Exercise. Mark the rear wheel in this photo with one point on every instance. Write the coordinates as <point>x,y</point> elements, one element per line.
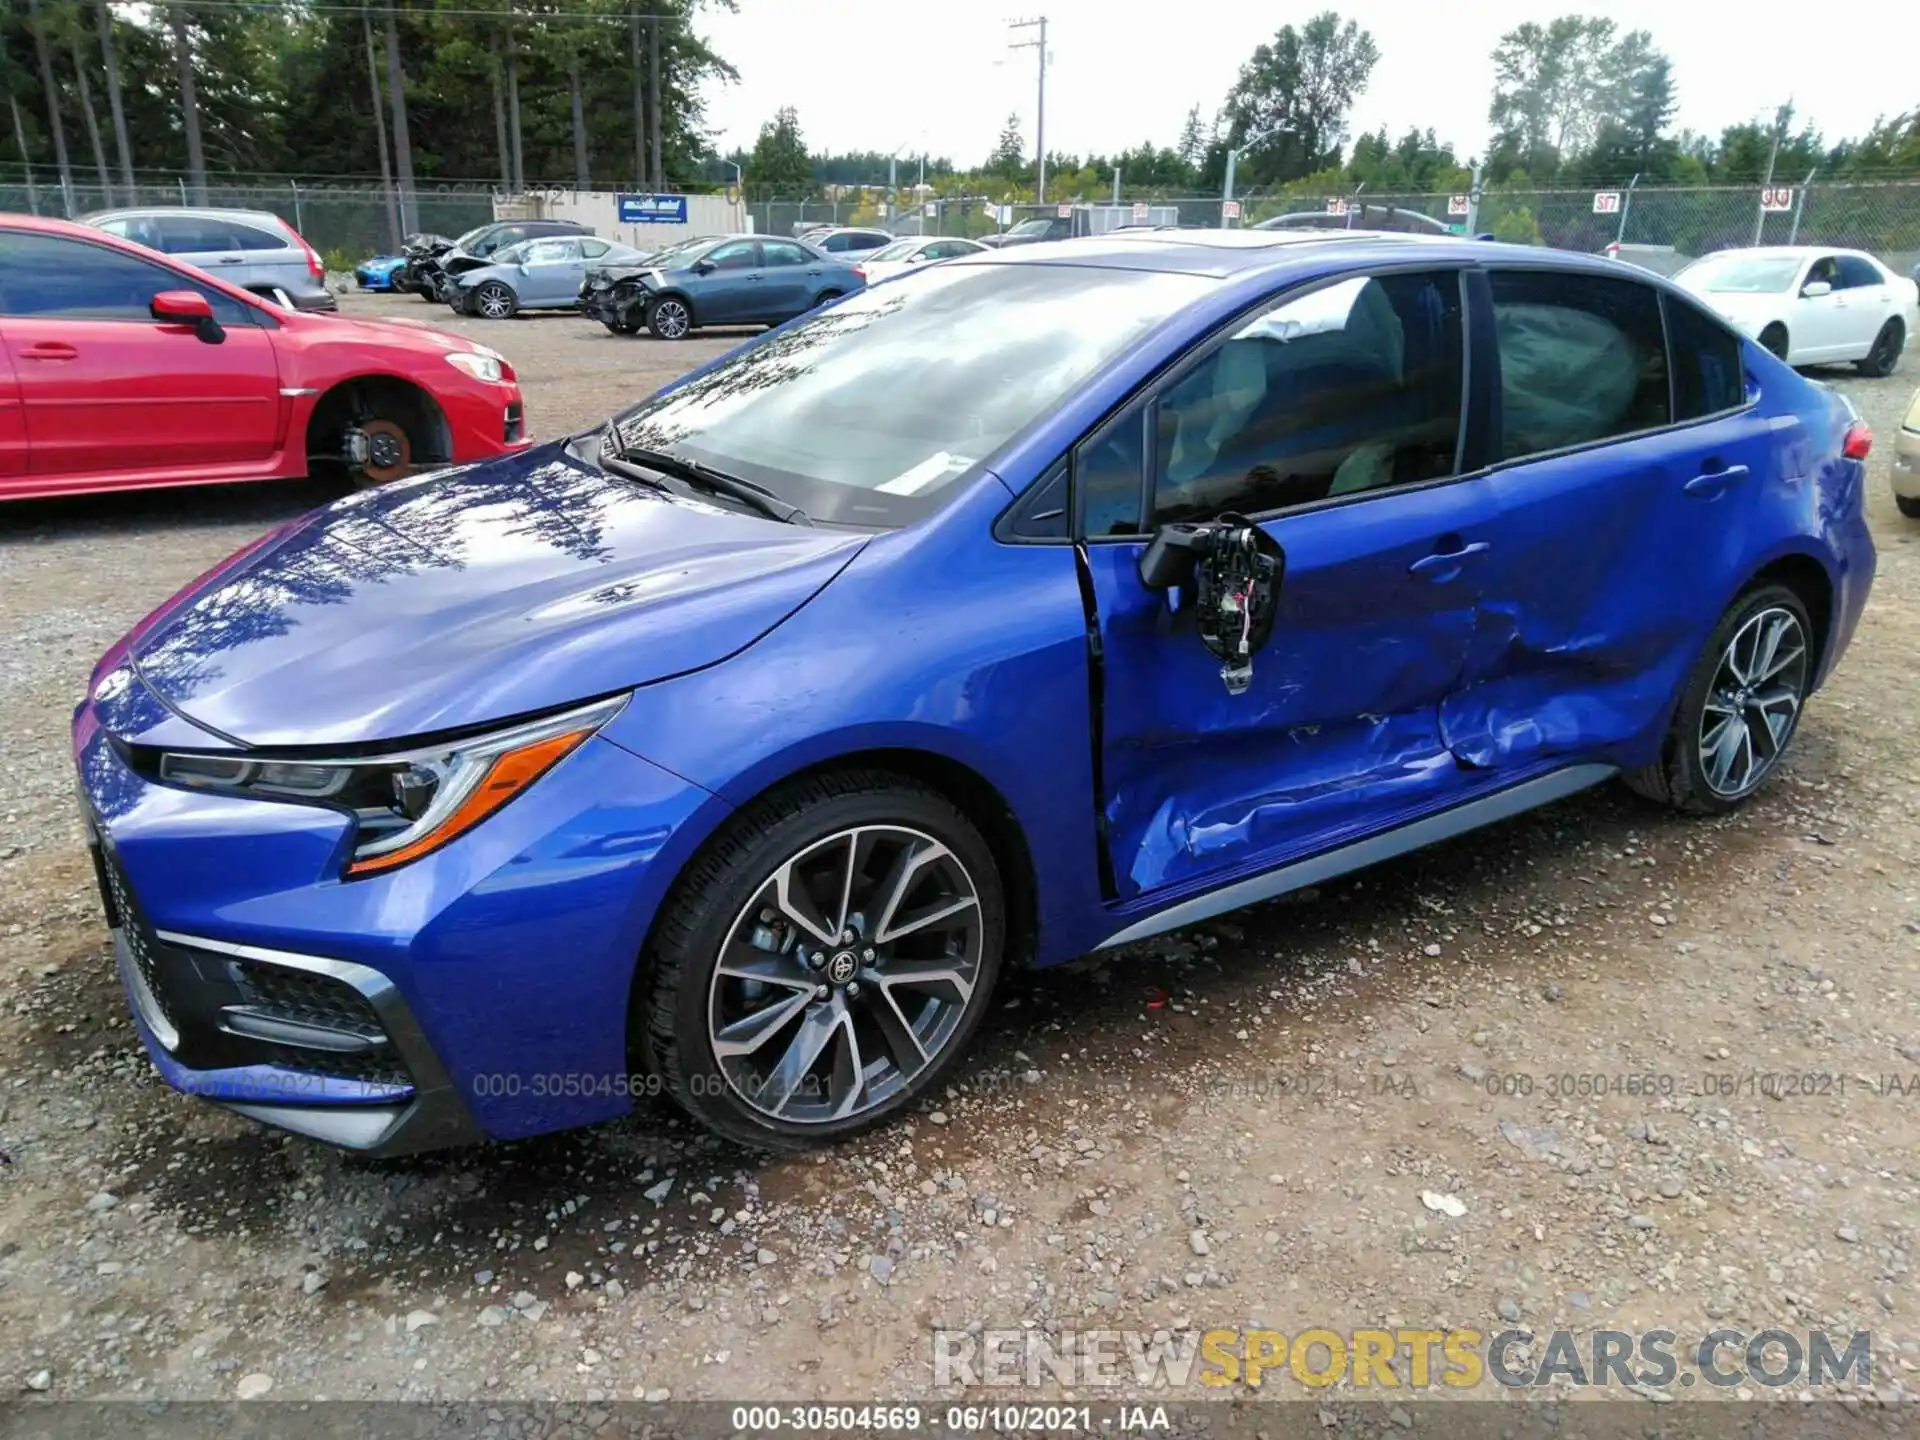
<point>826,297</point>
<point>494,301</point>
<point>1774,340</point>
<point>1909,505</point>
<point>1740,709</point>
<point>825,964</point>
<point>669,318</point>
<point>1885,354</point>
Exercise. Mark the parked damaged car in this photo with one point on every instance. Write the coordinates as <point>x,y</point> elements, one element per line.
<point>542,274</point>
<point>1030,604</point>
<point>716,280</point>
<point>122,369</point>
<point>419,254</point>
<point>477,248</point>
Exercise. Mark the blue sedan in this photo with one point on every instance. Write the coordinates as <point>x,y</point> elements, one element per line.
<point>1037,603</point>
<point>718,280</point>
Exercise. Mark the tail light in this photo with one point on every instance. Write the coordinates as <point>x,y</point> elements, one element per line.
<point>1859,442</point>
<point>315,265</point>
<point>861,271</point>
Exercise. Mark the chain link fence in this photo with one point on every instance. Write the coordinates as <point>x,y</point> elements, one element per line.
<point>346,222</point>
<point>1882,218</point>
<point>349,220</point>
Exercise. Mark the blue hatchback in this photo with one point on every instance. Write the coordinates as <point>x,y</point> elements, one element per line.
<point>1032,604</point>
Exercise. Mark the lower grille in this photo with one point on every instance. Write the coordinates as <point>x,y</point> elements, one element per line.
<point>119,903</point>
<point>308,999</point>
<point>516,422</point>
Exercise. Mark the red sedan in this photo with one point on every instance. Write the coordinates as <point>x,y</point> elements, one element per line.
<point>122,369</point>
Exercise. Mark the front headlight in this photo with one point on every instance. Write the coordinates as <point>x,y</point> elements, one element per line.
<point>408,803</point>
<point>480,367</point>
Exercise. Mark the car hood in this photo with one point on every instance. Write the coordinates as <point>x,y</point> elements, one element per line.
<point>1738,305</point>
<point>501,589</point>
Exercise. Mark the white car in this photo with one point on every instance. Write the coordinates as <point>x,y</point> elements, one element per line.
<point>912,251</point>
<point>1811,305</point>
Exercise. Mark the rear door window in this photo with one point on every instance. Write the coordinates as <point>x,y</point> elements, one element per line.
<point>1583,358</point>
<point>194,235</point>
<point>1858,273</point>
<point>779,252</point>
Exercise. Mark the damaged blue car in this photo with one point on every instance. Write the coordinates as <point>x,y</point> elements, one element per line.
<point>1044,601</point>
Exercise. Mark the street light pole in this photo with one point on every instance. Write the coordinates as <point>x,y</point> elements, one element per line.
<point>1040,109</point>
<point>1234,152</point>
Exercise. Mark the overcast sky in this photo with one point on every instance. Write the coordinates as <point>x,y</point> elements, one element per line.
<point>876,74</point>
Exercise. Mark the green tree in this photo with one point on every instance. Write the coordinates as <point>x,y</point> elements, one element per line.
<point>1517,227</point>
<point>1574,86</point>
<point>778,164</point>
<point>1304,84</point>
<point>1009,159</point>
<point>1195,136</point>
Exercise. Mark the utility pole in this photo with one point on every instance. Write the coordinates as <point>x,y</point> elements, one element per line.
<point>380,133</point>
<point>653,96</point>
<point>1040,109</point>
<point>1781,119</point>
<point>639,100</point>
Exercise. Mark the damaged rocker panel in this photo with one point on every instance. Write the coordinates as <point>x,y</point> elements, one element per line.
<point>1485,810</point>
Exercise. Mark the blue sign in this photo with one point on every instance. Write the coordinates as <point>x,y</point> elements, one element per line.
<point>653,209</point>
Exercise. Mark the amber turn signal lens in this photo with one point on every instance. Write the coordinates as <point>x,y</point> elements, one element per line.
<point>509,774</point>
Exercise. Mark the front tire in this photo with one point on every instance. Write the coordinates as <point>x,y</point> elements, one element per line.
<point>825,963</point>
<point>1909,505</point>
<point>1740,708</point>
<point>494,301</point>
<point>1885,354</point>
<point>669,317</point>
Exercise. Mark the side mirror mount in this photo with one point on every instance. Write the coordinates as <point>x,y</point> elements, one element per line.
<point>703,267</point>
<point>1236,569</point>
<point>1814,289</point>
<point>187,307</point>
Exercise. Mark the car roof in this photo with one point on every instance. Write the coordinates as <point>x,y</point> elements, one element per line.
<point>1222,254</point>
<point>195,212</point>
<point>1789,252</point>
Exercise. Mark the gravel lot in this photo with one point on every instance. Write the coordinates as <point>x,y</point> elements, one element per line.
<point>1229,1126</point>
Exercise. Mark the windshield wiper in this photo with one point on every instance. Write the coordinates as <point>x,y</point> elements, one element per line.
<point>627,461</point>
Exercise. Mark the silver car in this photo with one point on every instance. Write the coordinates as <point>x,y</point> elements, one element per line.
<point>254,249</point>
<point>534,275</point>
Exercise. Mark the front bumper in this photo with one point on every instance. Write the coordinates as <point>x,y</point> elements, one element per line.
<point>481,992</point>
<point>612,306</point>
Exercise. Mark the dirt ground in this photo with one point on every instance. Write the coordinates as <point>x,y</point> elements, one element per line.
<point>1230,1126</point>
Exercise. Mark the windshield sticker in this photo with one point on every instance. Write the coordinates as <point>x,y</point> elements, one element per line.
<point>938,466</point>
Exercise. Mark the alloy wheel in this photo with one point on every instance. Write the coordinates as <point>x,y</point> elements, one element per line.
<point>1753,702</point>
<point>847,974</point>
<point>670,318</point>
<point>495,301</point>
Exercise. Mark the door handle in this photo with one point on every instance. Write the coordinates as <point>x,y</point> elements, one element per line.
<point>1443,565</point>
<point>49,350</point>
<point>1711,483</point>
<point>230,260</point>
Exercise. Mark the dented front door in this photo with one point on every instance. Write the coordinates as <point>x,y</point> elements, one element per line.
<point>1338,733</point>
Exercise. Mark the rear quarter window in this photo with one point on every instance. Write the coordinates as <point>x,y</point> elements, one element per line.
<point>1709,376</point>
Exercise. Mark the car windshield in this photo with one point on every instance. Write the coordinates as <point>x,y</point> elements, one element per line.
<point>512,254</point>
<point>1031,227</point>
<point>816,412</point>
<point>898,250</point>
<point>680,247</point>
<point>472,237</point>
<point>1741,274</point>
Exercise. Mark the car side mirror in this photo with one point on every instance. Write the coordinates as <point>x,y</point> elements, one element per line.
<point>1814,289</point>
<point>187,307</point>
<point>703,267</point>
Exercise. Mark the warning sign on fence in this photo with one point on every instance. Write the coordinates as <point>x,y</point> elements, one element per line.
<point>1777,197</point>
<point>1457,205</point>
<point>1229,209</point>
<point>1336,207</point>
<point>1606,202</point>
